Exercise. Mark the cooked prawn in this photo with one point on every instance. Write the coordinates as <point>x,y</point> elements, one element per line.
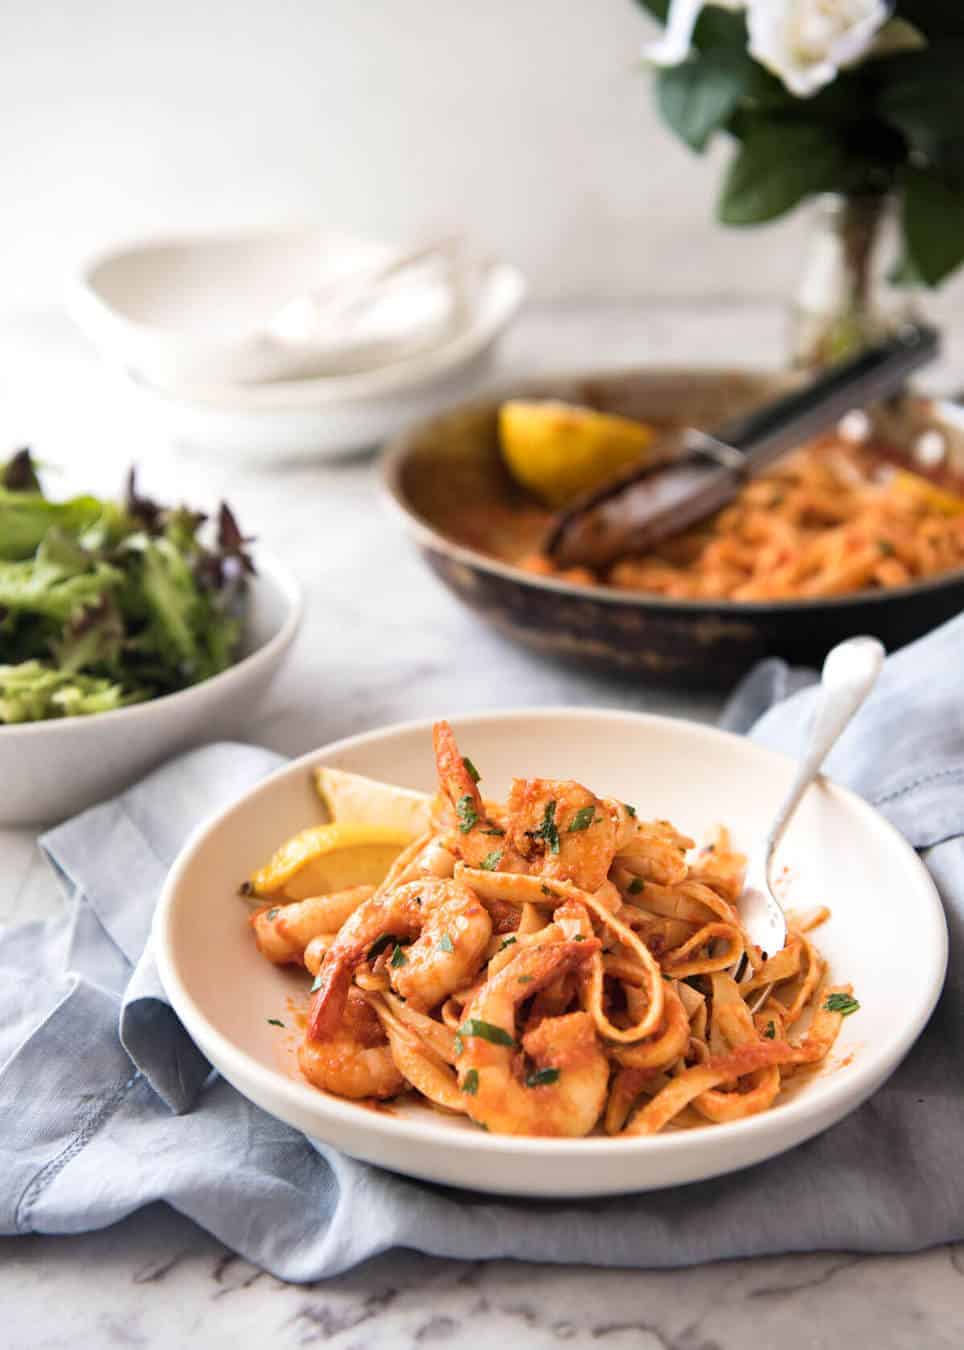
<point>476,838</point>
<point>355,1059</point>
<point>563,1089</point>
<point>449,928</point>
<point>556,828</point>
<point>561,830</point>
<point>282,932</point>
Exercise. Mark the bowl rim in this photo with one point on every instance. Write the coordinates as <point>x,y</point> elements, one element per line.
<point>863,1079</point>
<point>401,447</point>
<point>226,680</point>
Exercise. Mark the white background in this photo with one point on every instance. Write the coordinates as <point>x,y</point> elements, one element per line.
<point>527,122</point>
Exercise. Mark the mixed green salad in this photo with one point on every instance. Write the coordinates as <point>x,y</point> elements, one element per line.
<point>105,603</point>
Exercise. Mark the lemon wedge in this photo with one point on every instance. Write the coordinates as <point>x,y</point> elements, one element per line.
<point>912,485</point>
<point>326,858</point>
<point>352,799</point>
<point>559,451</point>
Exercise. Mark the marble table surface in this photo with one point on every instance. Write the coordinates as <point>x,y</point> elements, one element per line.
<point>382,641</point>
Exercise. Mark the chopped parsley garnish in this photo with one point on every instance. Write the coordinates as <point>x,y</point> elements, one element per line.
<point>579,937</point>
<point>770,1031</point>
<point>398,957</point>
<point>491,860</point>
<point>546,890</point>
<point>275,1022</point>
<point>470,769</point>
<point>470,1083</point>
<point>630,809</point>
<point>494,829</point>
<point>467,814</point>
<point>636,885</point>
<point>379,945</point>
<point>542,1077</point>
<point>458,1045</point>
<point>507,942</point>
<point>318,982</point>
<point>843,1004</point>
<point>474,1026</point>
<point>583,818</point>
<point>548,830</point>
<point>525,979</point>
<point>272,912</point>
<point>445,943</point>
<point>885,547</point>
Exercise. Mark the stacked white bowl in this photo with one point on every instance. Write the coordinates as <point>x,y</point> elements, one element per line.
<point>294,342</point>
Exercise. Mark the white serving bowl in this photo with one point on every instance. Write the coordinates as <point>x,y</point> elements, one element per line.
<point>164,309</point>
<point>52,770</point>
<point>887,919</point>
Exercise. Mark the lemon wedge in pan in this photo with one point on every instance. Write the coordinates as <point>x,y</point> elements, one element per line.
<point>558,451</point>
<point>352,799</point>
<point>326,858</point>
<point>912,485</point>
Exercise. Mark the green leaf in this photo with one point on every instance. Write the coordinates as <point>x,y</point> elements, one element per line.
<point>507,942</point>
<point>486,1031</point>
<point>583,818</point>
<point>33,692</point>
<point>466,812</point>
<point>777,166</point>
<point>491,860</point>
<point>922,94</point>
<point>547,829</point>
<point>470,1083</point>
<point>933,219</point>
<point>19,474</point>
<point>398,958</point>
<point>843,1004</point>
<point>61,580</point>
<point>25,518</point>
<point>470,769</point>
<point>275,1022</point>
<point>697,97</point>
<point>542,1077</point>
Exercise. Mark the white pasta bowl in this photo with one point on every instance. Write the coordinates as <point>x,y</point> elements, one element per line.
<point>52,770</point>
<point>887,919</point>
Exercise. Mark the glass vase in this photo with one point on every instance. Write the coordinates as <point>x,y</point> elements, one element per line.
<point>846,298</point>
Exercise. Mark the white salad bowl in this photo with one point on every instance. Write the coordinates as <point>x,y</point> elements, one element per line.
<point>886,919</point>
<point>53,769</point>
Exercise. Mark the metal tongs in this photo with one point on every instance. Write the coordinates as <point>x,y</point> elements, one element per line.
<point>691,474</point>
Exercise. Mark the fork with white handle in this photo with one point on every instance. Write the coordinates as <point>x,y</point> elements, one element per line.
<point>849,673</point>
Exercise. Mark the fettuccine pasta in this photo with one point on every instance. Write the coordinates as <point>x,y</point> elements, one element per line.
<point>553,965</point>
<point>830,519</point>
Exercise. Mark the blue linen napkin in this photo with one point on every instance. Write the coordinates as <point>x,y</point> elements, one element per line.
<point>106,1105</point>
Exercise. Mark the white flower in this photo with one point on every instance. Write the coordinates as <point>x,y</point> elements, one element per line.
<point>806,42</point>
<point>674,46</point>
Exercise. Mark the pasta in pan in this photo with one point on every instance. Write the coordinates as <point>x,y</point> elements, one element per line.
<point>830,519</point>
<point>552,966</point>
